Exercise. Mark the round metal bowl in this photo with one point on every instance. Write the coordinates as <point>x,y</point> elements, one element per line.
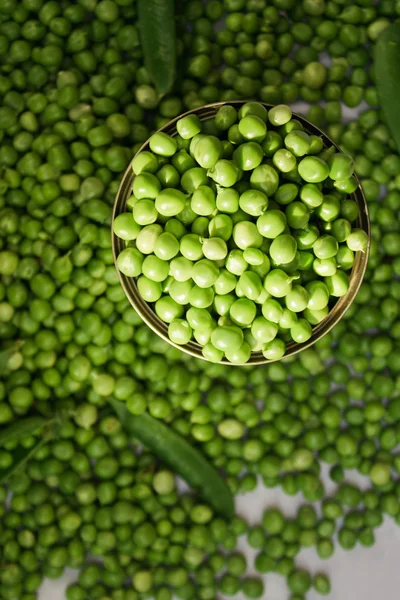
<point>193,348</point>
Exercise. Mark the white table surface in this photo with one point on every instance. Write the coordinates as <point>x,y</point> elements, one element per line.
<point>359,574</point>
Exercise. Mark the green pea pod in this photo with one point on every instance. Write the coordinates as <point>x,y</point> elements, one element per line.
<point>21,429</point>
<point>387,74</point>
<point>21,456</point>
<point>188,462</point>
<point>158,40</point>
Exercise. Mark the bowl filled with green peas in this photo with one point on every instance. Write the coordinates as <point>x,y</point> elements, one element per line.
<point>240,233</point>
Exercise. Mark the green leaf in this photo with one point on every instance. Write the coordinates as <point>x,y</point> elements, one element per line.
<point>387,75</point>
<point>21,429</point>
<point>158,40</point>
<point>176,452</point>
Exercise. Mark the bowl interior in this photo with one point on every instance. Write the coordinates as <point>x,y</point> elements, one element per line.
<point>193,348</point>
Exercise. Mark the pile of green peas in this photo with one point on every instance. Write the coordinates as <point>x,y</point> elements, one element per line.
<point>76,103</point>
<point>241,233</point>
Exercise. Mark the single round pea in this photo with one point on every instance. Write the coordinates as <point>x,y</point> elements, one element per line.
<point>286,193</point>
<point>239,356</point>
<point>145,212</point>
<point>215,248</point>
<point>301,331</point>
<point>274,349</point>
<point>203,201</point>
<point>207,151</point>
<point>325,246</point>
<point>193,179</point>
<point>254,256</point>
<point>252,127</point>
<point>357,241</point>
<point>297,299</point>
<point>225,173</point>
<point>297,215</point>
<point>278,283</point>
<point>149,290</point>
<point>162,144</point>
<point>227,337</point>
<point>227,200</point>
<point>338,284</point>
<point>145,162</point>
<point>170,202</point>
<point>318,293</point>
<point>146,185</point>
<point>283,249</point>
<point>225,283</point>
<point>313,169</point>
<point>125,227</point>
<point>167,309</point>
<point>201,297</point>
<point>191,247</point>
<point>341,166</point>
<point>298,142</point>
<point>279,115</point>
<point>263,331</point>
<point>311,195</point>
<point>166,246</point>
<point>154,268</point>
<point>248,156</point>
<point>325,267</point>
<point>147,237</point>
<point>179,332</point>
<point>250,285</point>
<point>188,126</point>
<point>243,312</point>
<point>272,224</point>
<point>246,235</point>
<point>284,160</point>
<point>205,273</point>
<point>253,202</point>
<point>130,262</point>
<point>266,179</point>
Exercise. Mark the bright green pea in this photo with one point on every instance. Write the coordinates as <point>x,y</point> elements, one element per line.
<point>191,247</point>
<point>162,144</point>
<point>193,179</point>
<point>166,246</point>
<point>284,160</point>
<point>272,310</point>
<point>318,293</point>
<point>250,284</point>
<point>252,128</point>
<point>253,108</point>
<point>266,179</point>
<point>224,173</point>
<point>225,283</point>
<point>215,248</point>
<point>325,267</point>
<point>271,224</point>
<point>239,356</point>
<point>145,162</point>
<point>221,226</point>
<point>207,151</point>
<point>203,201</point>
<point>311,195</point>
<point>341,166</point>
<point>188,126</point>
<point>243,312</point>
<point>283,249</point>
<point>145,212</point>
<point>298,142</point>
<point>248,156</point>
<point>227,337</point>
<point>315,316</point>
<point>170,202</point>
<point>227,200</point>
<point>325,246</point>
<point>253,202</point>
<point>124,227</point>
<point>254,256</point>
<point>211,353</point>
<point>313,169</point>
<point>201,297</point>
<point>246,235</point>
<point>297,215</point>
<point>149,290</point>
<point>130,261</point>
<point>167,309</point>
<point>357,241</point>
<point>297,299</point>
<point>154,268</point>
<point>286,193</point>
<point>338,284</point>
<point>146,185</point>
<point>278,283</point>
<point>147,237</point>
<point>274,349</point>
<point>179,332</point>
<point>205,273</point>
<point>279,115</point>
<point>263,331</point>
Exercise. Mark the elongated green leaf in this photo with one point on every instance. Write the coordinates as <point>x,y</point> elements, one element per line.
<point>21,456</point>
<point>387,74</point>
<point>158,40</point>
<point>21,429</point>
<point>188,462</point>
